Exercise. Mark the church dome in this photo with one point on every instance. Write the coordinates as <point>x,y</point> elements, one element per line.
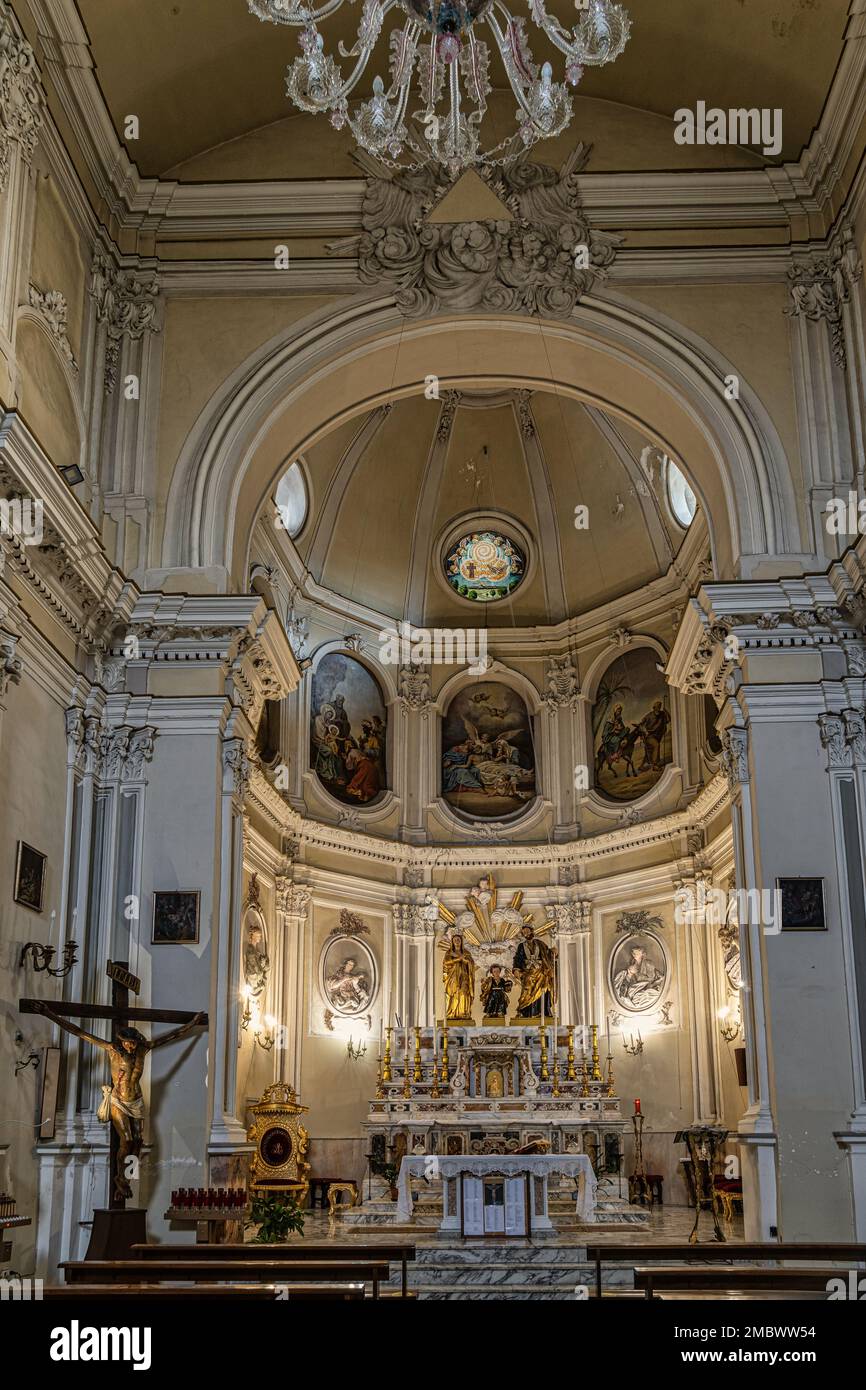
<point>529,507</point>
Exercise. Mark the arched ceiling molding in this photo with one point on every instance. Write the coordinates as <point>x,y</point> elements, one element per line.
<point>624,359</point>
<point>425,514</point>
<point>549,534</point>
<point>325,523</point>
<point>643,490</point>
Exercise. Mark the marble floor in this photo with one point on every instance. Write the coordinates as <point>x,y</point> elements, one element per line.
<point>549,1266</point>
<point>665,1224</point>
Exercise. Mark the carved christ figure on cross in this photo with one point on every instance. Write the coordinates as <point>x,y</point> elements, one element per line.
<point>123,1102</point>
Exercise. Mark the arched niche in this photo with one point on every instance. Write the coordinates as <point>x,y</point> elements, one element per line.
<point>488,756</point>
<point>634,734</point>
<point>349,735</point>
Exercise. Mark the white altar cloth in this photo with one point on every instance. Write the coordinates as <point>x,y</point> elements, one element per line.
<point>435,1166</point>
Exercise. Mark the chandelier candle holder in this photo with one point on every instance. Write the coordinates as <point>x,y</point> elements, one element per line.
<point>431,107</point>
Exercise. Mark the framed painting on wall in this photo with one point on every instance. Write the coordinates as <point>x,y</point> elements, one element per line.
<point>176,917</point>
<point>29,876</point>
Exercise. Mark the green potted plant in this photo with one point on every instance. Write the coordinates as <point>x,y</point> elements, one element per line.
<point>276,1214</point>
<point>390,1172</point>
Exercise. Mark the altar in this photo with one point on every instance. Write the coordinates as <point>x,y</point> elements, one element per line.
<point>478,1092</point>
<point>497,1194</point>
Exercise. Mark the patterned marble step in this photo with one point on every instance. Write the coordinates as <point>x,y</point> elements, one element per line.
<point>497,1292</point>
<point>540,1276</point>
<point>481,1254</point>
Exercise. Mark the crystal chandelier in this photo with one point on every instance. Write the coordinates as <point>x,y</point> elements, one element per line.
<point>439,44</point>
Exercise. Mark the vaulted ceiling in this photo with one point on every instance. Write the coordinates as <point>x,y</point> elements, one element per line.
<point>199,73</point>
<point>385,492</point>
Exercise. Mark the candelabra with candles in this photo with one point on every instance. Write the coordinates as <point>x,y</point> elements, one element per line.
<point>42,956</point>
<point>634,1046</point>
<point>570,1074</point>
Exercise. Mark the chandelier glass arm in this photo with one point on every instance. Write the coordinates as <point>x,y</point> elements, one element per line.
<point>294,14</point>
<point>366,52</point>
<point>503,44</point>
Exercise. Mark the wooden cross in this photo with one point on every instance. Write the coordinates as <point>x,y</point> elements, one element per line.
<point>126,1057</point>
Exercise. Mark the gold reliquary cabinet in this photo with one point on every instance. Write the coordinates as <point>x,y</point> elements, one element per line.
<point>279,1161</point>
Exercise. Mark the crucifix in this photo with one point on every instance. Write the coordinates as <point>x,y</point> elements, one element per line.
<point>122,1102</point>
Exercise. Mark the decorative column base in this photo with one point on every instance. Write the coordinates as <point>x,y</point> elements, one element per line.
<point>853,1141</point>
<point>758,1169</point>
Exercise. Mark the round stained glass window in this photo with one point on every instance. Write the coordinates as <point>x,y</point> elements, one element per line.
<point>484,566</point>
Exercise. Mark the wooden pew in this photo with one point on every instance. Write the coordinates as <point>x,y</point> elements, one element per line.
<point>740,1279</point>
<point>290,1251</point>
<point>717,1252</point>
<point>158,1293</point>
<point>226,1271</point>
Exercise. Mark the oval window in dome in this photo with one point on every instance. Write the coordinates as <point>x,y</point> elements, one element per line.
<point>681,499</point>
<point>292,500</point>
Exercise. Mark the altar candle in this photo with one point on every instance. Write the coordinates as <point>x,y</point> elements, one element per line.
<point>637,1107</point>
<point>608,1035</point>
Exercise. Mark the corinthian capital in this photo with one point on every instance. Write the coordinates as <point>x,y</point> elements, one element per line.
<point>735,756</point>
<point>22,100</point>
<point>292,898</point>
<point>10,664</point>
<point>235,758</point>
<point>126,306</point>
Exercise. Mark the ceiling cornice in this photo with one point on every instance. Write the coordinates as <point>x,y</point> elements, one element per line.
<point>168,209</point>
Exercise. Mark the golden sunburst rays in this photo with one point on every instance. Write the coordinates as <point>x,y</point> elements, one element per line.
<point>483,923</point>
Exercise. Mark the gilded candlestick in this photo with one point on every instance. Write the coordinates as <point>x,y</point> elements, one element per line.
<point>555,1074</point>
<point>610,1083</point>
<point>584,1078</point>
<point>386,1060</point>
<point>380,1090</point>
<point>443,1074</point>
<point>407,1090</point>
<point>434,1074</point>
<point>571,1074</point>
<point>417,1074</point>
<point>596,1069</point>
<point>545,1074</point>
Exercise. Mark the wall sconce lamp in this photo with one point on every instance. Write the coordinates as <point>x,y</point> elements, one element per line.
<point>355,1051</point>
<point>634,1046</point>
<point>729,1024</point>
<point>266,1037</point>
<point>42,956</point>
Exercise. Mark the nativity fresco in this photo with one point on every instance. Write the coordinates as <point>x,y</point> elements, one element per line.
<point>348,726</point>
<point>631,726</point>
<point>488,758</point>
